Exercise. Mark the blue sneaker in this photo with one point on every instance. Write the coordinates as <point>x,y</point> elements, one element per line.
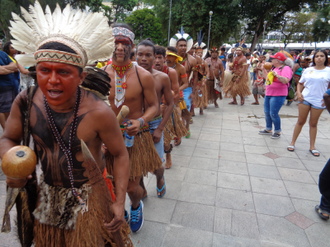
<point>137,219</point>
<point>126,216</point>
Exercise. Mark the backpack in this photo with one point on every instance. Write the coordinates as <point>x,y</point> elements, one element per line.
<point>291,88</point>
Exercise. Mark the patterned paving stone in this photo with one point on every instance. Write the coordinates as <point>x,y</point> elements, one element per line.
<point>299,220</point>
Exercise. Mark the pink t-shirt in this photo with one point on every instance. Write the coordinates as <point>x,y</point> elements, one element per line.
<point>278,88</point>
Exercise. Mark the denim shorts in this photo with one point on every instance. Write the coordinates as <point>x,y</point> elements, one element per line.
<point>159,145</point>
<point>313,106</point>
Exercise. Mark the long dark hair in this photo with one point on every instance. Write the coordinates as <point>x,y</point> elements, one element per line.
<point>325,55</point>
<point>6,47</point>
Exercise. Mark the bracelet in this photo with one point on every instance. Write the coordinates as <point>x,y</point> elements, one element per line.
<point>142,121</point>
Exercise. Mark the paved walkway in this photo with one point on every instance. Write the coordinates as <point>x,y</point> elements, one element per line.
<point>231,187</point>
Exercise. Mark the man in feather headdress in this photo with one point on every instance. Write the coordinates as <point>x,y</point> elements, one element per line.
<point>201,99</point>
<point>183,42</point>
<point>62,113</point>
<point>134,87</point>
<point>215,65</point>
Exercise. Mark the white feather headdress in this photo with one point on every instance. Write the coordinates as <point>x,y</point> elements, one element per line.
<point>182,35</point>
<point>88,34</point>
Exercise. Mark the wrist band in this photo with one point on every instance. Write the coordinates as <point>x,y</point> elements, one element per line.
<point>184,76</point>
<point>141,120</point>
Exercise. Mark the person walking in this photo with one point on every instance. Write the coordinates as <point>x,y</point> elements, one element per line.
<point>312,85</point>
<point>276,92</point>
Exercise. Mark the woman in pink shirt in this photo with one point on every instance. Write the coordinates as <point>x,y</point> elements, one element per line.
<point>276,93</point>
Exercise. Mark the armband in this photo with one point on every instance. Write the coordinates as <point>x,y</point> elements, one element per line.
<point>184,76</point>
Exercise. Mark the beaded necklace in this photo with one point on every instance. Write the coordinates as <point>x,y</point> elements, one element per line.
<point>66,150</point>
<point>121,77</point>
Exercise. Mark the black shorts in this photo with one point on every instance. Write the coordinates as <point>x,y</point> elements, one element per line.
<point>7,96</point>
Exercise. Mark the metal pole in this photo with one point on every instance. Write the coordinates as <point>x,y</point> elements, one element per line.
<point>208,40</point>
<point>169,24</point>
<point>263,36</point>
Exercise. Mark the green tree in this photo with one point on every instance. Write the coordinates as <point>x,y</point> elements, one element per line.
<point>295,23</point>
<point>146,25</point>
<point>256,12</point>
<point>321,27</point>
<point>194,16</point>
<point>119,9</point>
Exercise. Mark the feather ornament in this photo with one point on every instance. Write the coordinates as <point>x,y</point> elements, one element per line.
<point>90,30</point>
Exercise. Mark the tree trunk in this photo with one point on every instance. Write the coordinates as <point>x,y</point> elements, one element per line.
<point>5,31</point>
<point>254,41</point>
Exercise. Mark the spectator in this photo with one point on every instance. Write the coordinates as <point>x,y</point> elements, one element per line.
<point>293,53</point>
<point>324,179</point>
<point>11,52</point>
<point>276,93</point>
<point>312,85</point>
<point>8,91</point>
<point>222,56</point>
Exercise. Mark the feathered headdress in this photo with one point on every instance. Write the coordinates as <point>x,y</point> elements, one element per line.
<point>213,49</point>
<point>182,35</point>
<point>88,34</point>
<point>200,44</point>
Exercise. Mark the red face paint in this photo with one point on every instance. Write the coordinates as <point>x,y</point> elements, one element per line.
<point>58,82</point>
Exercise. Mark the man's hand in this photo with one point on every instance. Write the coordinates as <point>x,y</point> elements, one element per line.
<point>118,219</point>
<point>157,135</point>
<point>134,128</point>
<point>17,183</point>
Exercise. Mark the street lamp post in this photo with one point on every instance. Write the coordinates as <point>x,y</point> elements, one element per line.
<point>263,35</point>
<point>208,40</point>
<point>169,24</point>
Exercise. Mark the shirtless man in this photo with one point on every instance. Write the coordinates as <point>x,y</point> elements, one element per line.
<point>238,85</point>
<point>172,61</point>
<point>61,115</point>
<point>201,101</point>
<point>131,85</point>
<point>215,65</point>
<point>189,62</point>
<point>159,64</point>
<point>145,58</point>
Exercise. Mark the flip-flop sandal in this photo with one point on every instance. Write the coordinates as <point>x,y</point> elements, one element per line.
<point>290,148</point>
<point>314,152</point>
<point>176,143</point>
<point>321,213</point>
<point>188,134</point>
<point>255,103</point>
<point>232,103</point>
<point>217,106</point>
<point>161,190</point>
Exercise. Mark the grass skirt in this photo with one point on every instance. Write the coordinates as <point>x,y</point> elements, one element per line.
<point>201,102</point>
<point>143,157</point>
<point>227,78</point>
<point>234,89</point>
<point>174,128</point>
<point>211,92</point>
<point>88,231</point>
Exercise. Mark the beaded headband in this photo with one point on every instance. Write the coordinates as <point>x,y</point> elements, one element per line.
<point>45,55</point>
<point>123,31</point>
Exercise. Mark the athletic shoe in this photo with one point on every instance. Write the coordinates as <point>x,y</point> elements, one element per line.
<point>126,216</point>
<point>276,136</point>
<point>264,132</point>
<point>137,219</point>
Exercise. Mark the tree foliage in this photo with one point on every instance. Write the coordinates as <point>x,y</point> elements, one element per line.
<point>194,16</point>
<point>298,23</point>
<point>146,25</point>
<point>321,27</point>
<point>256,12</point>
